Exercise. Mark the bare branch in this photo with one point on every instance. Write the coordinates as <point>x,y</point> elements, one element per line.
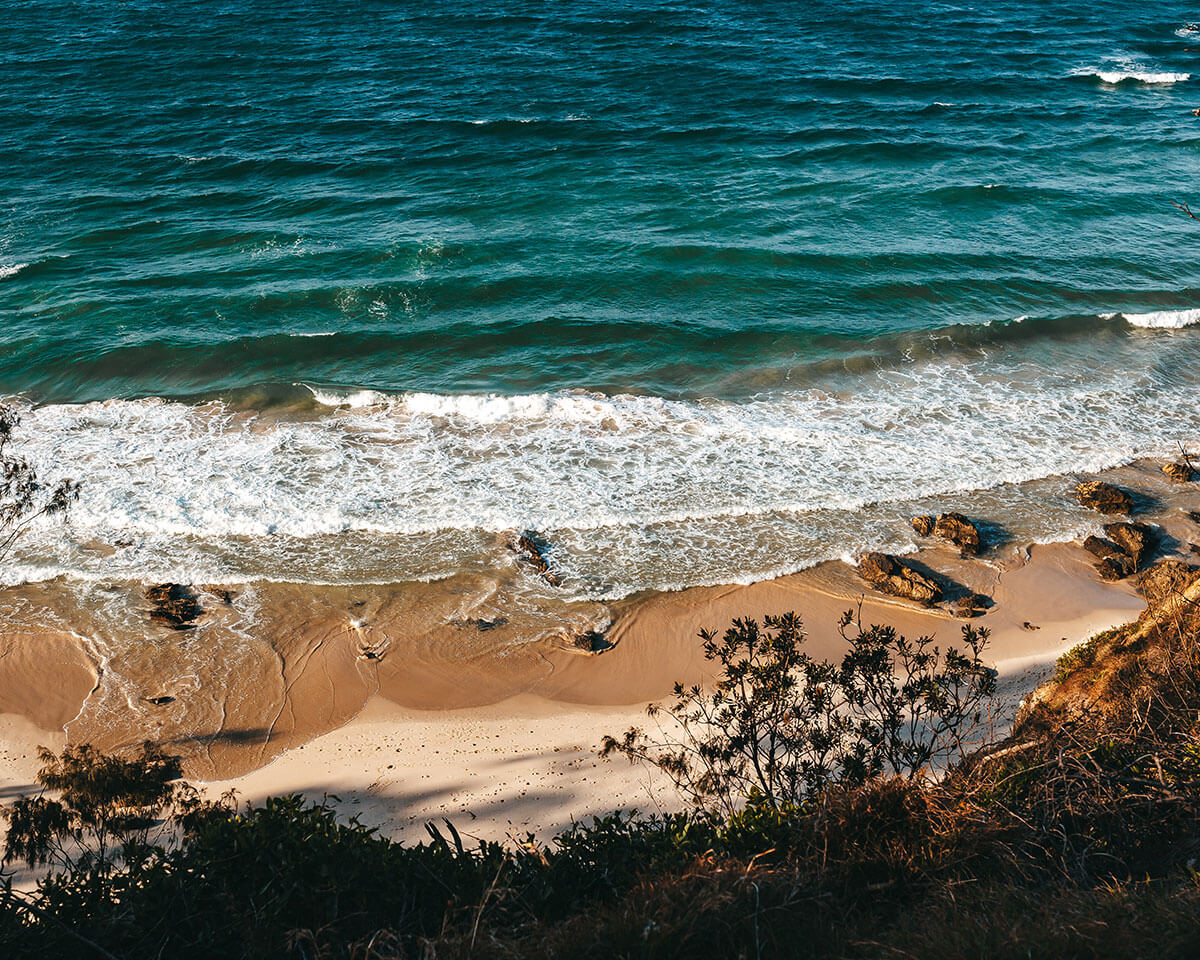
<point>1186,457</point>
<point>1185,208</point>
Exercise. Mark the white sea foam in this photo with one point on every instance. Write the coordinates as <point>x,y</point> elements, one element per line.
<point>11,269</point>
<point>1161,319</point>
<point>634,491</point>
<point>1142,76</point>
<point>1124,70</point>
<point>344,398</point>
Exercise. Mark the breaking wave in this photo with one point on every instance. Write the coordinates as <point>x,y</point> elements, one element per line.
<point>633,491</point>
<point>1161,319</point>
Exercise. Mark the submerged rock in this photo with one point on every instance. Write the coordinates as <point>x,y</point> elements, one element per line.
<point>1104,497</point>
<point>972,605</point>
<point>174,604</point>
<point>953,527</point>
<point>480,623</point>
<point>592,641</point>
<point>531,550</point>
<point>892,575</point>
<point>1179,472</point>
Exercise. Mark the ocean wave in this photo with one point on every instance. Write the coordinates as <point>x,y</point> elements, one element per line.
<point>329,397</point>
<point>1160,319</point>
<point>1133,75</point>
<point>11,270</point>
<point>633,490</point>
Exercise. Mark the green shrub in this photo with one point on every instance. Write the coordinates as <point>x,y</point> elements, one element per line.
<point>784,727</point>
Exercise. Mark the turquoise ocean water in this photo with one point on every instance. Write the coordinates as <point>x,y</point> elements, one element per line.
<point>347,291</point>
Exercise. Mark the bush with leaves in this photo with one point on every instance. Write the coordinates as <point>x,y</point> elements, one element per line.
<point>107,812</point>
<point>778,727</point>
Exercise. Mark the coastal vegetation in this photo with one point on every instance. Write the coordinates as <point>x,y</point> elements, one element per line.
<point>782,728</point>
<point>1078,833</point>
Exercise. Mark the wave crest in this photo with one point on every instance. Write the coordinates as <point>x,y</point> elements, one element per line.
<point>1132,74</point>
<point>1161,319</point>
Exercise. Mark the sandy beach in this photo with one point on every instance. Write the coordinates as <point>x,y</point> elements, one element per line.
<point>360,695</point>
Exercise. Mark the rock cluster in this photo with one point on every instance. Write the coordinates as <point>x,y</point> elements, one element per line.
<point>175,605</point>
<point>1124,552</point>
<point>954,527</point>
<point>972,605</point>
<point>892,575</point>
<point>1104,497</point>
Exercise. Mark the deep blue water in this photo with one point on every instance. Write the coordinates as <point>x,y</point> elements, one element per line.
<point>801,258</point>
<point>679,199</point>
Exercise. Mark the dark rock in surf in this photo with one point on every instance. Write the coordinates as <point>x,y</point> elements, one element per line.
<point>1125,551</point>
<point>924,525</point>
<point>531,550</point>
<point>955,527</point>
<point>1104,497</point>
<point>892,575</point>
<point>1113,563</point>
<point>174,605</point>
<point>959,531</point>
<point>1179,472</point>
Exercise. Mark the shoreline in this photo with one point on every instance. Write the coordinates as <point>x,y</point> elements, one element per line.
<point>546,772</point>
<point>413,705</point>
<point>507,744</point>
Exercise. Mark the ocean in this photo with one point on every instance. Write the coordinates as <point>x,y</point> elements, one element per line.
<point>342,293</point>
